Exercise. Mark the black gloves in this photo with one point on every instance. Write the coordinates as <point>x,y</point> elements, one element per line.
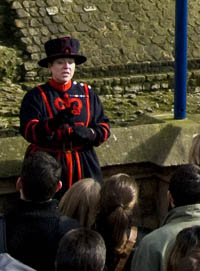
<point>61,118</point>
<point>83,135</point>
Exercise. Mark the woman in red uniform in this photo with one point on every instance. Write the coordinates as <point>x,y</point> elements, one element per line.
<point>63,117</point>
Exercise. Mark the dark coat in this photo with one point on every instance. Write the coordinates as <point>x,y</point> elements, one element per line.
<point>33,232</point>
<point>42,104</point>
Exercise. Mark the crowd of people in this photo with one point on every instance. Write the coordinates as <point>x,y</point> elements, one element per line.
<point>90,227</point>
<point>68,217</point>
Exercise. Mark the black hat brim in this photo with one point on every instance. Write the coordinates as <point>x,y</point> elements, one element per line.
<point>79,59</point>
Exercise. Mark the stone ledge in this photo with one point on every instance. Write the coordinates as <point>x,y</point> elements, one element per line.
<point>164,141</point>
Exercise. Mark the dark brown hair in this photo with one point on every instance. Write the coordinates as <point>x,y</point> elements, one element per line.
<point>186,240</point>
<point>191,261</point>
<point>117,199</point>
<point>81,250</point>
<point>39,176</point>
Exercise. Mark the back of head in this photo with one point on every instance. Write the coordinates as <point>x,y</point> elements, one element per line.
<point>185,185</point>
<point>191,262</point>
<point>81,250</point>
<point>186,240</point>
<point>81,201</point>
<point>118,196</point>
<point>39,176</point>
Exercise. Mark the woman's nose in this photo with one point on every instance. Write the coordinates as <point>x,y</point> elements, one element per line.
<point>66,64</point>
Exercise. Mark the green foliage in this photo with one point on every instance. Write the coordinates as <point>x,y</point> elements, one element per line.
<point>10,64</point>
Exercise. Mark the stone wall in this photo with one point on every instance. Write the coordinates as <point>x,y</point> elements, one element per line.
<point>112,32</point>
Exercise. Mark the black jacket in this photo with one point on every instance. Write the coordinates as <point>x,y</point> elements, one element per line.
<point>33,232</point>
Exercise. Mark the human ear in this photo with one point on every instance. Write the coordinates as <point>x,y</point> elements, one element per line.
<point>170,200</point>
<point>19,184</point>
<point>59,186</point>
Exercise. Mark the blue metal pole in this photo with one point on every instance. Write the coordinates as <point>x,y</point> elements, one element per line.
<point>180,92</point>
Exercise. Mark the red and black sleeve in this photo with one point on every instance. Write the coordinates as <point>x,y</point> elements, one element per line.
<point>34,122</point>
<point>99,121</point>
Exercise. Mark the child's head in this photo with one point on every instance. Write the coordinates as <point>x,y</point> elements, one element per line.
<point>81,249</point>
<point>81,201</point>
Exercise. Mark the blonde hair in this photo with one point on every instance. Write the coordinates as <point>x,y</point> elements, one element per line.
<point>81,201</point>
<point>194,153</point>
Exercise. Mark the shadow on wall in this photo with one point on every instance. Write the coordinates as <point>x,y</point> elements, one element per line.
<point>153,203</point>
<point>12,49</point>
<point>157,148</point>
<point>7,35</point>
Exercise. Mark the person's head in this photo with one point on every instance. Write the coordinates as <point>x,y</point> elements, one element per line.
<point>81,201</point>
<point>40,177</point>
<point>186,240</point>
<point>191,262</point>
<point>81,250</point>
<point>62,69</point>
<point>194,153</point>
<point>62,56</point>
<point>184,186</point>
<point>118,196</point>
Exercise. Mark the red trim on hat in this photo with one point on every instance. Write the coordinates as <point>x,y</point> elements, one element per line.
<point>63,54</point>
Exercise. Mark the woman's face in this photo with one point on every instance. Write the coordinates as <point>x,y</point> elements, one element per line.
<point>62,69</point>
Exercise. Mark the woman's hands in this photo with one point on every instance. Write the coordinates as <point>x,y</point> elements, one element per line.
<point>83,135</point>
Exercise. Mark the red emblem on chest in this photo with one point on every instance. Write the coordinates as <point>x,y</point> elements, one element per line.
<point>67,102</point>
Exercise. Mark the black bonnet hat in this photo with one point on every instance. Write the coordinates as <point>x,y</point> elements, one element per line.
<point>62,47</point>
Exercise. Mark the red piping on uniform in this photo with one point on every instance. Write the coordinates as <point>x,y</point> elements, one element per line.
<point>106,128</point>
<point>28,125</point>
<point>46,102</point>
<point>78,165</point>
<point>79,123</point>
<point>105,134</point>
<point>62,87</point>
<point>69,129</point>
<point>69,166</point>
<point>87,103</point>
<point>46,125</point>
<point>33,132</point>
<point>105,124</point>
